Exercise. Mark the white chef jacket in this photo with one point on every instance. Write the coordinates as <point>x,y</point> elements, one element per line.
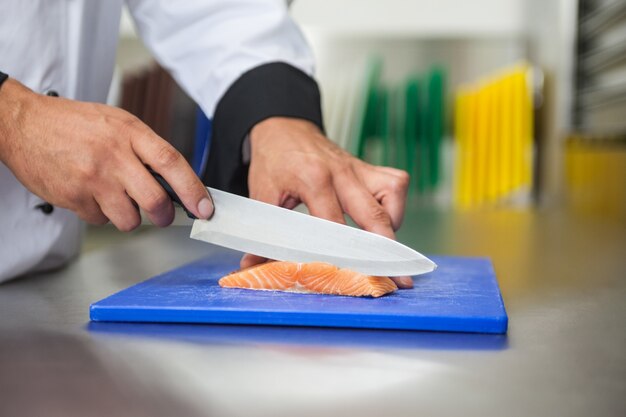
<point>69,46</point>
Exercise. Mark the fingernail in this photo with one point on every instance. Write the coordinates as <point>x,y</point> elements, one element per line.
<point>205,207</point>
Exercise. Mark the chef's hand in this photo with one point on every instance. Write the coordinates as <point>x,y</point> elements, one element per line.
<point>90,158</point>
<point>293,162</point>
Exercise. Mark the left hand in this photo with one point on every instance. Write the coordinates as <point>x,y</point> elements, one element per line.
<point>292,162</point>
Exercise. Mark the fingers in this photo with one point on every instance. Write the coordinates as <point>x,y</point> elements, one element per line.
<point>403,282</point>
<point>167,161</point>
<point>383,211</point>
<point>119,209</point>
<point>265,193</point>
<point>249,260</point>
<point>389,186</point>
<point>323,203</point>
<point>148,194</point>
<point>362,207</point>
<point>91,213</point>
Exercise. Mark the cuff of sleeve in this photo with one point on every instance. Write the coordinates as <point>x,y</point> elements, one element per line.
<point>269,90</point>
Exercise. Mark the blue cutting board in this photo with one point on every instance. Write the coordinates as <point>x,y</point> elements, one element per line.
<point>461,295</point>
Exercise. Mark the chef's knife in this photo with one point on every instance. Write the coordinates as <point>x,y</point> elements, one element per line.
<point>276,233</point>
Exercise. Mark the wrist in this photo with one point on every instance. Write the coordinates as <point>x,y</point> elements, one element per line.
<point>268,128</point>
<point>14,98</point>
<point>266,91</point>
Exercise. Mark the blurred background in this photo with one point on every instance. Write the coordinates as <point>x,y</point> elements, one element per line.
<point>488,103</point>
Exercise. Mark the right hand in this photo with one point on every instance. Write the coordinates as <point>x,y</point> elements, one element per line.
<point>90,158</point>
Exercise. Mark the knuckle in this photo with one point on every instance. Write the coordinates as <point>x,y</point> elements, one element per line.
<point>343,169</point>
<point>123,126</point>
<point>88,172</point>
<point>167,156</point>
<point>130,122</point>
<point>318,174</point>
<point>154,201</point>
<point>379,216</point>
<point>404,177</point>
<point>400,182</point>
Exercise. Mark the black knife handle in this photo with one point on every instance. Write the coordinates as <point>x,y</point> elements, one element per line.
<point>170,192</point>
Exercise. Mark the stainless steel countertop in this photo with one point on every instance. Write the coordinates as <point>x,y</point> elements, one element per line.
<point>563,279</point>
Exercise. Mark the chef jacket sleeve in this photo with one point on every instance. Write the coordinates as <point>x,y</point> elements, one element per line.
<point>242,61</point>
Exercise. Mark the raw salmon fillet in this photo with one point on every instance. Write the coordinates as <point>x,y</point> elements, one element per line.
<point>314,277</point>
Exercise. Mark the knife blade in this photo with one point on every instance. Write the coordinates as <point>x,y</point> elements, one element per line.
<point>273,232</point>
<point>277,233</point>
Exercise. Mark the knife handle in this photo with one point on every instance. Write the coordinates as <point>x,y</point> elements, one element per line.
<point>170,192</point>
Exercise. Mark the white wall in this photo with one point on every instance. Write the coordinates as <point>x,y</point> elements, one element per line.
<point>424,18</point>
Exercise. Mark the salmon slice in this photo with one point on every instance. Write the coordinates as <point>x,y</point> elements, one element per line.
<point>314,277</point>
